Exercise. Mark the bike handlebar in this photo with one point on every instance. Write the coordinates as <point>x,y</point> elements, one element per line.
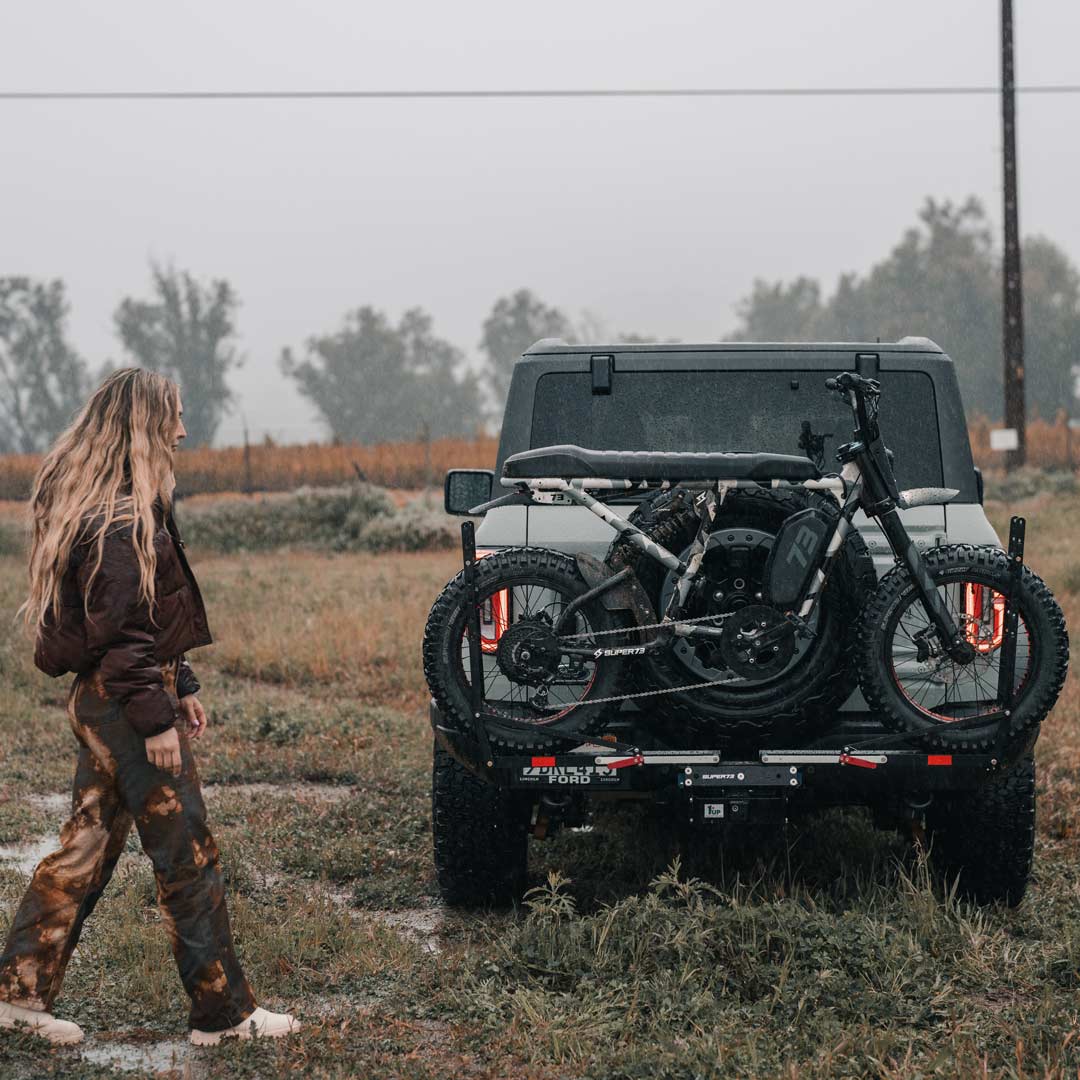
<point>859,387</point>
<point>848,380</point>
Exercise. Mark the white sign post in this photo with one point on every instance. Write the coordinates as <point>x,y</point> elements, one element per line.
<point>1004,439</point>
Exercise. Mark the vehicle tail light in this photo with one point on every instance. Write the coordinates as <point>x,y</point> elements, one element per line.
<point>984,617</point>
<point>494,613</point>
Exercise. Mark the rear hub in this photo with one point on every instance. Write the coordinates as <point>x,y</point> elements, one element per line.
<point>529,652</point>
<point>731,582</point>
<point>758,642</point>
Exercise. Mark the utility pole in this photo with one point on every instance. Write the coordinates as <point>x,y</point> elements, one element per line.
<point>1013,306</point>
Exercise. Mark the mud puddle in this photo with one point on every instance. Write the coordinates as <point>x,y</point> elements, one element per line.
<point>420,924</point>
<point>166,1056</point>
<point>25,857</point>
<point>59,803</point>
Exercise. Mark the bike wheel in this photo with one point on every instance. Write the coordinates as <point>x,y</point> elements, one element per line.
<point>917,688</point>
<point>534,693</point>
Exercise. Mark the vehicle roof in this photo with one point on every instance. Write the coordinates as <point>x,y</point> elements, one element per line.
<point>556,346</point>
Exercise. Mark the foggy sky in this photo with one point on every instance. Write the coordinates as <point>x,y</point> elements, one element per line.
<point>654,215</point>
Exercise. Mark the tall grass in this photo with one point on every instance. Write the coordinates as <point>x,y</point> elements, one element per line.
<point>269,467</point>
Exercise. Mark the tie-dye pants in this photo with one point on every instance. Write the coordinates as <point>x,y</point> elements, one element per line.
<point>116,786</point>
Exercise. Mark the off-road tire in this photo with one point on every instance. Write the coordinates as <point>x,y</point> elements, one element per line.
<point>442,644</point>
<point>480,837</point>
<point>1049,643</point>
<point>811,691</point>
<point>984,839</point>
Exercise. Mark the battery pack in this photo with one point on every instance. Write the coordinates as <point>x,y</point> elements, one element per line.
<point>794,556</point>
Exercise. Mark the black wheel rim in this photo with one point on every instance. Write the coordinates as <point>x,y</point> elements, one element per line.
<point>711,668</point>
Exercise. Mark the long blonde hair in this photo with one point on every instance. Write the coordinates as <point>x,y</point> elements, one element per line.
<point>105,471</point>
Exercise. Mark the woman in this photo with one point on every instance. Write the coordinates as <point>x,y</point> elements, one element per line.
<point>113,599</point>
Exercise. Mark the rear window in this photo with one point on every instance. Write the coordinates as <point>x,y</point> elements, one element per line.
<point>763,411</point>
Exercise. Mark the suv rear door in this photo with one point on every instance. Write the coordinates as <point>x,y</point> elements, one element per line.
<point>751,399</point>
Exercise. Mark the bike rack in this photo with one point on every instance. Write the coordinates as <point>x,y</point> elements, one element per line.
<point>472,634</point>
<point>616,756</point>
<point>1006,691</point>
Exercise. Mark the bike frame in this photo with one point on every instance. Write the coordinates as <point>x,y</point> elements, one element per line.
<point>846,489</point>
<point>865,481</point>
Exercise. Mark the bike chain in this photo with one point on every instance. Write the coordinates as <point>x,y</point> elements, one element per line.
<point>657,693</point>
<point>653,693</point>
<point>648,626</point>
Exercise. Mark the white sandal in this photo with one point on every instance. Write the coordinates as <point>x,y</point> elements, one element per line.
<point>40,1023</point>
<point>260,1024</point>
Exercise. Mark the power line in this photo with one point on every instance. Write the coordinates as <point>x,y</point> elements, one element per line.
<point>683,92</point>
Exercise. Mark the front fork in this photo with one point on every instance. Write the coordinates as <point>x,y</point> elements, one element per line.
<point>951,636</point>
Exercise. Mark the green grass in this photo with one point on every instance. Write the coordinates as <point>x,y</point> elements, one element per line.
<point>825,951</point>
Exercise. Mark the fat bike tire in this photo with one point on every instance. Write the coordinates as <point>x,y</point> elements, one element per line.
<point>1040,677</point>
<point>447,674</point>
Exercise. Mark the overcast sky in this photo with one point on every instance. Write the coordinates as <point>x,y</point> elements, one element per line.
<point>654,215</point>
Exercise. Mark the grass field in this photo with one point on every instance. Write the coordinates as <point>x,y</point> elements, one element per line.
<point>827,954</point>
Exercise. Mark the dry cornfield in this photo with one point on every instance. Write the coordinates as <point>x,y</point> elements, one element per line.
<point>269,467</point>
<point>1050,443</point>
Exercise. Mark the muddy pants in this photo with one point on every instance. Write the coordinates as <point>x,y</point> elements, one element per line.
<point>115,785</point>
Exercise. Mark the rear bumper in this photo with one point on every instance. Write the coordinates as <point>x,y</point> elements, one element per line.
<point>856,763</point>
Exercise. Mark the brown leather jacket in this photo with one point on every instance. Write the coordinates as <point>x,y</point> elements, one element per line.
<point>120,638</point>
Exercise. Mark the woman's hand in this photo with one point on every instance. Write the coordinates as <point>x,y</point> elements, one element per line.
<point>163,751</point>
<point>194,714</point>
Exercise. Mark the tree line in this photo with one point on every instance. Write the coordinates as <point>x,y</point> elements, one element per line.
<point>943,281</point>
<point>376,380</point>
<point>372,380</point>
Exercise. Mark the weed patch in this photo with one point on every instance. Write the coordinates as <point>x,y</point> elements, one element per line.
<point>825,951</point>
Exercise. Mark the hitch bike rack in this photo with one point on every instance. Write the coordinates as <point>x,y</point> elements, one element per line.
<point>717,788</point>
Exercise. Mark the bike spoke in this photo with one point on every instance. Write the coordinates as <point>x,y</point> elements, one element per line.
<point>939,686</point>
<point>542,700</point>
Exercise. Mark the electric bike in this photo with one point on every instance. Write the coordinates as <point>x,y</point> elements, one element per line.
<point>738,601</point>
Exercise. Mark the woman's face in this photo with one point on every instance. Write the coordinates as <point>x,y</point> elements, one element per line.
<point>181,431</point>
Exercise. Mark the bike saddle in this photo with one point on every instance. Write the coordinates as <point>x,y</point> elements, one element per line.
<point>573,462</point>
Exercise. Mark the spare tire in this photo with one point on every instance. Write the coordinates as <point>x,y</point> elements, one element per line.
<point>820,675</point>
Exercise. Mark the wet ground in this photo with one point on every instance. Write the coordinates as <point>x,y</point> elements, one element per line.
<point>128,1052</point>
<point>25,857</point>
<point>166,1056</point>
